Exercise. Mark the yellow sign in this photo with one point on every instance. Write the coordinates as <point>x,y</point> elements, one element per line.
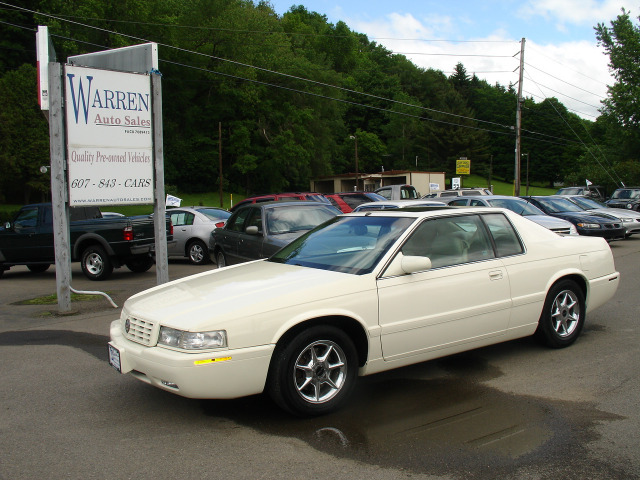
<point>463,167</point>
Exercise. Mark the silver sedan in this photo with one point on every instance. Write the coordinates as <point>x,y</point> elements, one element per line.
<point>192,227</point>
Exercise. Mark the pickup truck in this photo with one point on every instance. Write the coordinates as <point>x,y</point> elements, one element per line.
<point>100,244</point>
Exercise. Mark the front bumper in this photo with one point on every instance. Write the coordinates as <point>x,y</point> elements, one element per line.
<point>606,233</point>
<point>222,374</point>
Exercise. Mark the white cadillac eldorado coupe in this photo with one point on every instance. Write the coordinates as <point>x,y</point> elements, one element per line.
<point>360,294</point>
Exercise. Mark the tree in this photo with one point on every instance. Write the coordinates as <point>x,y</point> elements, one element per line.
<point>622,43</point>
<point>24,138</point>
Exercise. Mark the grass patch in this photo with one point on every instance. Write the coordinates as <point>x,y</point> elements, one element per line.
<point>505,188</point>
<point>53,299</point>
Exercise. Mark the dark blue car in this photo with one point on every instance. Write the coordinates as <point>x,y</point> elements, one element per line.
<point>587,223</point>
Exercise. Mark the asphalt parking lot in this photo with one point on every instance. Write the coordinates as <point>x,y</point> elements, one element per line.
<point>510,411</point>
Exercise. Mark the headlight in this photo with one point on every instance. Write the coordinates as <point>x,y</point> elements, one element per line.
<point>192,340</point>
<point>589,225</point>
<point>626,220</point>
<point>629,206</point>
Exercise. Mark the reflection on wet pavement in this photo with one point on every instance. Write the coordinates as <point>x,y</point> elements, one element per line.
<point>449,425</point>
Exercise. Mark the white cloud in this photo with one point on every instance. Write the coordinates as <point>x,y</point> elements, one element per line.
<point>574,12</point>
<point>579,67</point>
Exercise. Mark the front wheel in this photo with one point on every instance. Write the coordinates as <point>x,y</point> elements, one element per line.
<point>315,372</point>
<point>96,264</point>
<point>563,315</point>
<point>198,253</point>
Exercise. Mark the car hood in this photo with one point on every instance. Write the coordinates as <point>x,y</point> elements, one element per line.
<point>213,299</point>
<point>589,217</point>
<point>548,221</point>
<point>617,212</point>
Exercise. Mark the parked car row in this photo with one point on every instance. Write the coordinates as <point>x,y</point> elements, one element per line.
<point>251,232</point>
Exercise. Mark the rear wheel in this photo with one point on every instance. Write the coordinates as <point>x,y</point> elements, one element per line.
<point>140,264</point>
<point>39,268</point>
<point>96,264</point>
<point>563,315</point>
<point>197,252</point>
<point>315,372</point>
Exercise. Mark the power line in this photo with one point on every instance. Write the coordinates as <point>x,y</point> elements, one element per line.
<point>269,71</point>
<point>564,81</point>
<point>568,68</point>
<point>297,78</point>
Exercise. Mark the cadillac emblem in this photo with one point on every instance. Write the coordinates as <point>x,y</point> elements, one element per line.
<point>127,325</point>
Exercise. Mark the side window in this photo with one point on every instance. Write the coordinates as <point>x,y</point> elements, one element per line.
<point>255,219</point>
<point>47,216</point>
<point>386,193</point>
<point>450,241</point>
<point>188,218</point>
<point>178,218</point>
<point>504,236</point>
<point>27,218</point>
<point>476,203</point>
<point>459,203</point>
<point>236,221</point>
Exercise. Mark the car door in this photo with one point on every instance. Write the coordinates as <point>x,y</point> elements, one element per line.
<point>182,225</point>
<point>28,239</point>
<point>229,237</point>
<point>250,246</point>
<point>463,299</point>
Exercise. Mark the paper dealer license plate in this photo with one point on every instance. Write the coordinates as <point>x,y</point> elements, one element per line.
<point>114,358</point>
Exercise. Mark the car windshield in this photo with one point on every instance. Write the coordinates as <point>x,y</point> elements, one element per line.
<point>519,206</point>
<point>570,191</point>
<point>588,203</point>
<point>289,219</point>
<point>626,193</point>
<point>215,213</point>
<point>557,205</point>
<point>346,244</point>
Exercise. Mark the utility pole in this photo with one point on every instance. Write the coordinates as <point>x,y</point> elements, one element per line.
<point>516,173</point>
<point>220,159</point>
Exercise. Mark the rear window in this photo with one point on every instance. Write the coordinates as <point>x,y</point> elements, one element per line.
<point>408,193</point>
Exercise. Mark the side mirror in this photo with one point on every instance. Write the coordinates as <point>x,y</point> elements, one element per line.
<point>412,264</point>
<point>407,264</point>
<point>252,230</point>
<point>7,226</point>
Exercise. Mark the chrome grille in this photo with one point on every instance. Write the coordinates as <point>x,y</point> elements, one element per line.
<point>140,331</point>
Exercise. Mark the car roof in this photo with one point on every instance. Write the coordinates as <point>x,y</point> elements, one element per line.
<point>278,204</point>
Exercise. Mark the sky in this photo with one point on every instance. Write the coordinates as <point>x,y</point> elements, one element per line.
<point>561,53</point>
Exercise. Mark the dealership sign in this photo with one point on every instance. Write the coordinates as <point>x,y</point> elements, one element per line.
<point>109,135</point>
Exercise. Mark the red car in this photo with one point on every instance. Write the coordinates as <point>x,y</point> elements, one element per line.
<point>347,201</point>
<point>282,197</point>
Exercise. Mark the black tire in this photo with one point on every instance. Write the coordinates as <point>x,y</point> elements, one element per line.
<point>221,259</point>
<point>563,315</point>
<point>39,268</point>
<point>197,252</point>
<point>314,373</point>
<point>96,264</point>
<point>140,264</point>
